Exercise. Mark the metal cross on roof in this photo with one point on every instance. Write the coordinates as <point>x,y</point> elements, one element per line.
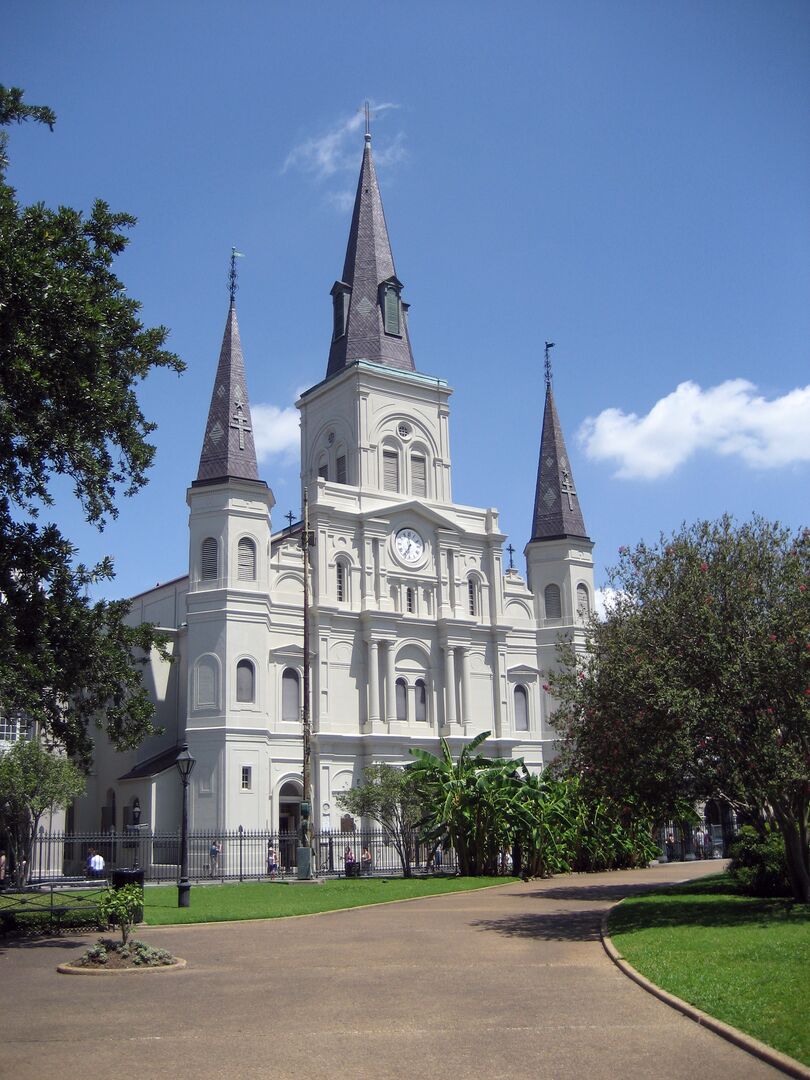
<point>233,284</point>
<point>290,516</point>
<point>511,551</point>
<point>547,364</point>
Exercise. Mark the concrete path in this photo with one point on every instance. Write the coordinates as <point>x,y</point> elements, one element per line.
<point>506,982</point>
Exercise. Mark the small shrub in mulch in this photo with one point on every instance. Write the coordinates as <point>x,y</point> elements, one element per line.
<point>112,955</point>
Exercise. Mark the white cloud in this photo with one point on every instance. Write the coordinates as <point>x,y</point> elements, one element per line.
<point>336,150</point>
<point>276,432</point>
<point>603,600</point>
<point>730,419</point>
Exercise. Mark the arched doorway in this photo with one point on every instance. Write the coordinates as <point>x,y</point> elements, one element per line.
<point>289,821</point>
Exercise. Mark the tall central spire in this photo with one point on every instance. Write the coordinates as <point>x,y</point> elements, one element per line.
<point>370,320</point>
<point>557,512</point>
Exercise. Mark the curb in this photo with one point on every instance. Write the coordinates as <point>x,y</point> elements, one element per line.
<point>74,969</point>
<point>739,1038</point>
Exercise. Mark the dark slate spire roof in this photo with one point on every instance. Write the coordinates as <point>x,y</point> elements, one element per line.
<point>556,505</point>
<point>228,449</point>
<point>368,264</point>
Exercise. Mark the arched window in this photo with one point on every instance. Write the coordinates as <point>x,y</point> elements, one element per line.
<point>402,699</point>
<point>290,695</point>
<point>418,475</point>
<point>209,569</point>
<point>420,702</point>
<point>245,681</point>
<point>340,570</point>
<point>472,596</point>
<point>340,468</point>
<point>323,467</point>
<point>205,689</point>
<point>521,709</point>
<point>583,603</point>
<point>247,559</point>
<point>390,470</point>
<point>551,595</point>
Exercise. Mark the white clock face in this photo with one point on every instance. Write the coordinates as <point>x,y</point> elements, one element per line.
<point>410,545</point>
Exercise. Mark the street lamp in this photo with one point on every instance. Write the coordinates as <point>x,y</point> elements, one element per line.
<point>185,763</point>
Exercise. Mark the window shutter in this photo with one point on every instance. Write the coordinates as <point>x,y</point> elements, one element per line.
<point>290,708</point>
<point>206,684</point>
<point>553,603</point>
<point>390,470</point>
<point>583,602</point>
<point>339,302</point>
<point>323,472</point>
<point>391,310</point>
<point>421,701</point>
<point>471,595</point>
<point>245,681</point>
<point>418,475</point>
<point>209,559</point>
<point>402,700</point>
<point>340,466</point>
<point>521,709</point>
<point>341,582</point>
<point>247,560</point>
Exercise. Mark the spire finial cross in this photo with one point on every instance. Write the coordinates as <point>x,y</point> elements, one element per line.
<point>290,516</point>
<point>547,363</point>
<point>367,110</point>
<point>233,283</point>
<point>511,551</point>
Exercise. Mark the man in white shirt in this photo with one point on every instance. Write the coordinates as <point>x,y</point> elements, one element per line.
<point>95,864</point>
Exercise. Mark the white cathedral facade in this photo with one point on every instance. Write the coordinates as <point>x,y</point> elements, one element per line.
<point>416,628</point>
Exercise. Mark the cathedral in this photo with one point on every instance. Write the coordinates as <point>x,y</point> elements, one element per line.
<point>416,629</point>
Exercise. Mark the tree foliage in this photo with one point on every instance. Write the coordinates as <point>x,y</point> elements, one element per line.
<point>33,780</point>
<point>697,682</point>
<point>389,796</point>
<point>72,353</point>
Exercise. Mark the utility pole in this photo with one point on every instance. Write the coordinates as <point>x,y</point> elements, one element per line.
<point>304,853</point>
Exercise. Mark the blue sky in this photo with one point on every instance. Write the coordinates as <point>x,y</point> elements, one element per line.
<point>630,180</point>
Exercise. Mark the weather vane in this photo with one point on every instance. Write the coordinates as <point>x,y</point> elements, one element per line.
<point>232,275</point>
<point>547,365</point>
<point>368,120</point>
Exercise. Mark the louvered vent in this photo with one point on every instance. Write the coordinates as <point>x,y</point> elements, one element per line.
<point>209,569</point>
<point>392,311</point>
<point>390,470</point>
<point>553,603</point>
<point>340,469</point>
<point>419,475</point>
<point>247,560</point>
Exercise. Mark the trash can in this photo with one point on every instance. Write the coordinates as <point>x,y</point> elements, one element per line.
<point>125,876</point>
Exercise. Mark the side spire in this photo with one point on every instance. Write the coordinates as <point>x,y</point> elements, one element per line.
<point>370,320</point>
<point>557,512</point>
<point>228,450</point>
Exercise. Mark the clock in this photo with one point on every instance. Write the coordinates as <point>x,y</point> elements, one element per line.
<point>409,545</point>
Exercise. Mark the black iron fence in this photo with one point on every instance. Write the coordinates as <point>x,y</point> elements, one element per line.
<point>239,855</point>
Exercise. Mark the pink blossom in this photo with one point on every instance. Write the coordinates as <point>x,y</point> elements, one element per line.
<point>802,588</point>
<point>704,567</point>
<point>546,687</point>
<point>771,637</point>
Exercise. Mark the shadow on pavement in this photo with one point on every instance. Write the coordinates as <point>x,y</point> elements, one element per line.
<point>596,893</point>
<point>555,926</point>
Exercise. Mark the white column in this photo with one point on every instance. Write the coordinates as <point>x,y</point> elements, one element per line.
<point>373,682</point>
<point>390,687</point>
<point>450,686</point>
<point>466,700</point>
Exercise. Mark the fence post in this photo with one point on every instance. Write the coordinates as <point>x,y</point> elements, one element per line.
<point>241,837</point>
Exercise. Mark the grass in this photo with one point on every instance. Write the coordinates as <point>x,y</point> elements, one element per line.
<point>265,900</point>
<point>743,960</point>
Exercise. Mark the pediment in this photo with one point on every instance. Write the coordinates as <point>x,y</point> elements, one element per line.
<point>412,508</point>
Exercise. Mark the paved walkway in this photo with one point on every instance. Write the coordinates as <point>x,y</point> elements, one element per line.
<point>506,982</point>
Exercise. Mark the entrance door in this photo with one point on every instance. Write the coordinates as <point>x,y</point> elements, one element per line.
<point>289,822</point>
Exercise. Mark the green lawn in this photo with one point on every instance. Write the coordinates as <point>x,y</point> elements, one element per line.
<point>742,960</point>
<point>265,900</point>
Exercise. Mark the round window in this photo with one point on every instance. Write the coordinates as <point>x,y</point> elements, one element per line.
<point>404,431</point>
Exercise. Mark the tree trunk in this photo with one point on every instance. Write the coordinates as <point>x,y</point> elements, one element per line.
<point>794,834</point>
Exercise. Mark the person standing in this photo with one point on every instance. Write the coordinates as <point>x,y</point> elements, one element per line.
<point>272,862</point>
<point>214,855</point>
<point>95,865</point>
<point>365,861</point>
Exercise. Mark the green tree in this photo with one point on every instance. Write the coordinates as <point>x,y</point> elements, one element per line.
<point>72,353</point>
<point>33,780</point>
<point>697,682</point>
<point>390,797</point>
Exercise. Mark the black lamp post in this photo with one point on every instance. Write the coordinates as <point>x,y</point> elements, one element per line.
<point>185,763</point>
